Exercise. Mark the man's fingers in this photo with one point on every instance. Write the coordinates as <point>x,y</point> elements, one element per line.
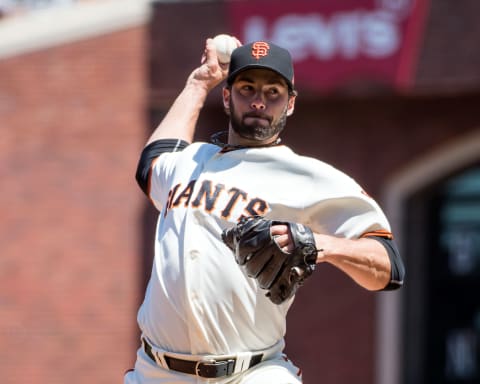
<point>284,243</point>
<point>210,53</point>
<point>282,237</point>
<point>279,229</point>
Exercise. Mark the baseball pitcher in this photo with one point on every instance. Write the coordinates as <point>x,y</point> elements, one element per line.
<point>233,244</point>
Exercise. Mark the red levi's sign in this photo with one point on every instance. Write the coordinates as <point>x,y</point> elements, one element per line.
<point>336,43</point>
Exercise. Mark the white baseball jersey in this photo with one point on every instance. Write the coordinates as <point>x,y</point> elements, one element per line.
<point>198,299</point>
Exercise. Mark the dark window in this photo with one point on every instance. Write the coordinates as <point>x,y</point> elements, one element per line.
<point>442,307</point>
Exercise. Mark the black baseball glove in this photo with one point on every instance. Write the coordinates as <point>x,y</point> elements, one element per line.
<point>278,272</point>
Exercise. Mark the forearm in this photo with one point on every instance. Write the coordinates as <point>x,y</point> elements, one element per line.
<point>181,119</point>
<point>365,260</point>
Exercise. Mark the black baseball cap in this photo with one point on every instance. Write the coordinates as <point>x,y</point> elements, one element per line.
<point>261,54</point>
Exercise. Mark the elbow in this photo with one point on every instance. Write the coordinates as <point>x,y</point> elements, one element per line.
<point>397,267</point>
<point>397,276</point>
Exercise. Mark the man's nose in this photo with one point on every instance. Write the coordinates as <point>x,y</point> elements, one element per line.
<point>258,103</point>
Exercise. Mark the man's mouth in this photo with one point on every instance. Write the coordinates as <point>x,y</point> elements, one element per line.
<point>257,116</point>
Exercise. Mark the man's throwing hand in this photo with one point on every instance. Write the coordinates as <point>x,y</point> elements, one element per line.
<point>211,72</point>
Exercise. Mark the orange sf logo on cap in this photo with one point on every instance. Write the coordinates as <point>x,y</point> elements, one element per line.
<point>260,49</point>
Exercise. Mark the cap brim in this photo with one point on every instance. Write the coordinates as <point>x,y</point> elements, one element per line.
<point>234,74</point>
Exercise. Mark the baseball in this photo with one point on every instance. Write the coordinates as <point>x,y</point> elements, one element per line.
<point>224,44</point>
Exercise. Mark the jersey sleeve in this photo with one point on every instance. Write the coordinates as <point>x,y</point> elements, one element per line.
<point>150,164</point>
<point>397,268</point>
<point>339,206</point>
<point>349,217</point>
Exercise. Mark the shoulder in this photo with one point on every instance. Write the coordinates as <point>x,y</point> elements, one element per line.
<point>322,176</point>
<point>194,151</point>
<point>202,147</point>
<point>313,166</point>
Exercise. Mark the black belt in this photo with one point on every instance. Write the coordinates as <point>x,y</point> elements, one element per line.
<point>203,368</point>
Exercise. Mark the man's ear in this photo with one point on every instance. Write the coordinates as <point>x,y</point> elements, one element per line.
<point>226,94</point>
<point>291,105</point>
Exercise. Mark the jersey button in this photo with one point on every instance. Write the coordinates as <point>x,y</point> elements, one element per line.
<point>194,254</point>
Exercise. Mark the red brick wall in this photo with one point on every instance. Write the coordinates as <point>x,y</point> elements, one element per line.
<point>72,125</point>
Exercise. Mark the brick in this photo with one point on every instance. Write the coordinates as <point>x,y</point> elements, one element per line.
<point>74,119</point>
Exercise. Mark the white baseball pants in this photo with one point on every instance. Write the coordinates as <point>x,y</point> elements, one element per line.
<point>277,370</point>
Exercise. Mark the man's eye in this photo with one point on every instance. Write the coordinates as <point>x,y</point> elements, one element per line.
<point>245,89</point>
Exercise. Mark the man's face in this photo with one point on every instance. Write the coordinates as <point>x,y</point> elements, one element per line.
<point>259,104</point>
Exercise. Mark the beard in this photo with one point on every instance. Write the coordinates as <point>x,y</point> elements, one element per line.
<point>262,127</point>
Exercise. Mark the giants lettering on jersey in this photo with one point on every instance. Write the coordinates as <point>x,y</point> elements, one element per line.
<point>215,199</point>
